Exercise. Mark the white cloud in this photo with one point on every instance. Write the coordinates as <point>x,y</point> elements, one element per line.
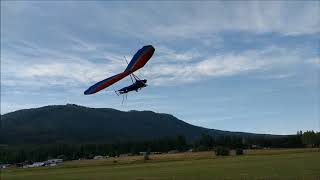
<point>314,61</point>
<point>75,61</point>
<point>169,67</point>
<point>157,21</point>
<point>222,65</point>
<point>277,76</point>
<point>288,18</point>
<point>62,73</point>
<point>166,54</point>
<point>33,66</point>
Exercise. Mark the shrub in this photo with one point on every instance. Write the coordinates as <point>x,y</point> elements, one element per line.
<point>239,151</point>
<point>222,151</point>
<point>90,156</point>
<point>202,148</point>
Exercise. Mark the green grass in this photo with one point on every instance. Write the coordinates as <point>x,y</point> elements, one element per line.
<point>261,164</point>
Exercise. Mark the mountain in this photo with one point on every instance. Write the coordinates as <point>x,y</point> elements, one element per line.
<point>77,124</point>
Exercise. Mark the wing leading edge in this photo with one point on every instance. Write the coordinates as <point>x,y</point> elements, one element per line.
<point>105,83</point>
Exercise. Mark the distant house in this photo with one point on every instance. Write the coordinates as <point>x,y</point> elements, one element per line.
<point>56,161</point>
<point>254,146</point>
<point>98,157</point>
<point>49,162</point>
<point>125,155</point>
<point>20,164</point>
<point>35,164</point>
<point>155,153</point>
<point>3,166</point>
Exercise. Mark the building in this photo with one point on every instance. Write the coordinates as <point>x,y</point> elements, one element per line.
<point>56,161</point>
<point>3,166</point>
<point>125,155</point>
<point>98,157</point>
<point>49,162</point>
<point>35,164</point>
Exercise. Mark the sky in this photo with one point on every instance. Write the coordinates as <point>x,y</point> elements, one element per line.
<point>249,66</point>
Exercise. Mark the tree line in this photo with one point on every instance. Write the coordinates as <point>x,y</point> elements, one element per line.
<point>28,153</point>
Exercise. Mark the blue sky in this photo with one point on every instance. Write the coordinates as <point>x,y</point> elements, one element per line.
<point>238,66</point>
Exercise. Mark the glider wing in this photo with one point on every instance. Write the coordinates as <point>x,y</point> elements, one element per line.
<point>105,83</point>
<point>140,58</point>
<point>137,62</point>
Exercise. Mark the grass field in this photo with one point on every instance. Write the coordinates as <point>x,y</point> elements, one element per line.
<point>255,164</point>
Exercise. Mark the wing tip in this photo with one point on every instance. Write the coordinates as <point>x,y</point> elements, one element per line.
<point>87,92</point>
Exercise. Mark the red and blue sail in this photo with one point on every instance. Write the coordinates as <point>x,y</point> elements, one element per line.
<point>141,57</point>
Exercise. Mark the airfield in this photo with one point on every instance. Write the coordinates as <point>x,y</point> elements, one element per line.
<point>254,164</point>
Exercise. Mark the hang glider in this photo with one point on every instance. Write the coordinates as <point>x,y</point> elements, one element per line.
<point>141,57</point>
